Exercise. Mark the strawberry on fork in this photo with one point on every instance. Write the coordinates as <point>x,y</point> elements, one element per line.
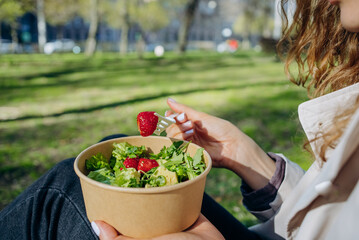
<point>148,123</point>
<point>163,124</point>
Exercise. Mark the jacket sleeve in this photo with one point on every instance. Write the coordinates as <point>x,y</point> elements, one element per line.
<point>278,191</point>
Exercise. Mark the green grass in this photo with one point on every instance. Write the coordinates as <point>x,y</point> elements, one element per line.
<point>52,107</point>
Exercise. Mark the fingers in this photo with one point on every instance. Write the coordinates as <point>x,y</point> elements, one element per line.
<point>183,116</point>
<point>104,230</point>
<point>183,124</point>
<point>170,113</point>
<point>181,108</point>
<point>186,127</point>
<point>175,131</point>
<point>204,228</point>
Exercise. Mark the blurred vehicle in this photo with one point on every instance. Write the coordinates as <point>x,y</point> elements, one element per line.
<point>61,45</point>
<point>157,48</point>
<point>7,46</point>
<point>230,45</point>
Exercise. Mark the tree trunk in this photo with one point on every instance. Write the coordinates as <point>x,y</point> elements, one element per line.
<point>41,25</point>
<point>141,44</point>
<point>14,37</point>
<point>91,39</point>
<point>124,39</point>
<point>190,11</point>
<point>0,32</point>
<point>125,19</point>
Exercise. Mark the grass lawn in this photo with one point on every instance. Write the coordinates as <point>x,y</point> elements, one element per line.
<point>52,107</point>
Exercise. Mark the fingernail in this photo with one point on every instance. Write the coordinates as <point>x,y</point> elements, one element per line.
<point>95,228</point>
<point>180,117</point>
<point>189,132</point>
<point>187,124</point>
<point>171,100</point>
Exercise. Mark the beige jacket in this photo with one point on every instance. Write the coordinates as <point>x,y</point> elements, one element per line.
<point>322,203</point>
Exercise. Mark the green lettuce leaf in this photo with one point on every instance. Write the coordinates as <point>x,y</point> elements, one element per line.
<point>96,162</point>
<point>123,150</point>
<point>173,158</point>
<point>197,159</point>
<point>103,175</point>
<point>129,177</point>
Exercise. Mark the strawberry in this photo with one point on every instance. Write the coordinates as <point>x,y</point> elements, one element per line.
<point>146,165</point>
<point>147,123</point>
<point>131,162</point>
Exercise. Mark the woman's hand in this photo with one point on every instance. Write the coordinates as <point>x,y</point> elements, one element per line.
<point>227,145</point>
<point>201,229</point>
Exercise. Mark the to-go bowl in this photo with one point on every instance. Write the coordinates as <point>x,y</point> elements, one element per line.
<point>142,212</point>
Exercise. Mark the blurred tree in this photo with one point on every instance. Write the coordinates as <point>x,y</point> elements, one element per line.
<point>59,12</point>
<point>256,19</point>
<point>147,16</point>
<point>41,24</point>
<point>2,2</point>
<point>150,16</point>
<point>124,19</point>
<point>189,13</point>
<point>10,11</point>
<point>116,13</point>
<point>91,39</point>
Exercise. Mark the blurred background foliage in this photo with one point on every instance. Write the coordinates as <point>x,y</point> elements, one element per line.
<point>107,60</point>
<point>135,25</point>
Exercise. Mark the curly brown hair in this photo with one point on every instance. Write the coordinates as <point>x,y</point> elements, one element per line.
<point>321,56</point>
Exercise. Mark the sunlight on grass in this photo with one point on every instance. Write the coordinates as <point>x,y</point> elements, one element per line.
<point>52,107</point>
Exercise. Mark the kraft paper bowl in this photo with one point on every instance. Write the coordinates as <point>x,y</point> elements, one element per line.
<point>140,212</point>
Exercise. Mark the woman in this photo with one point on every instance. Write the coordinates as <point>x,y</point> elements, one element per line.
<point>322,203</point>
<point>319,204</point>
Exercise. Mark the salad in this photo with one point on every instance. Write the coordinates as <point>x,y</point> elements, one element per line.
<point>133,166</point>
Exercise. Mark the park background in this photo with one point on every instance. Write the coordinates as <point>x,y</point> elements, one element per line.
<point>75,71</point>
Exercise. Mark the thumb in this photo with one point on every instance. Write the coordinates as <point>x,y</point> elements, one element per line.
<point>180,108</point>
<point>104,230</point>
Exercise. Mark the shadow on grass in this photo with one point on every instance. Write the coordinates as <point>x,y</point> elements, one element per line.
<point>188,64</point>
<point>258,116</point>
<point>142,99</point>
<point>263,113</point>
<point>61,79</point>
<point>272,121</point>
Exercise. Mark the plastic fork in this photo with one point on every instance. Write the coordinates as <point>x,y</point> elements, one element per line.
<point>163,123</point>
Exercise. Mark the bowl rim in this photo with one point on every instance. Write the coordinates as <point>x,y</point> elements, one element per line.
<point>152,190</point>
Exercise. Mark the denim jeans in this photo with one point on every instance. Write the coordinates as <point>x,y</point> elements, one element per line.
<point>53,208</point>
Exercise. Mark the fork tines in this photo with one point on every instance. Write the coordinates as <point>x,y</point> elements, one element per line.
<point>164,123</point>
